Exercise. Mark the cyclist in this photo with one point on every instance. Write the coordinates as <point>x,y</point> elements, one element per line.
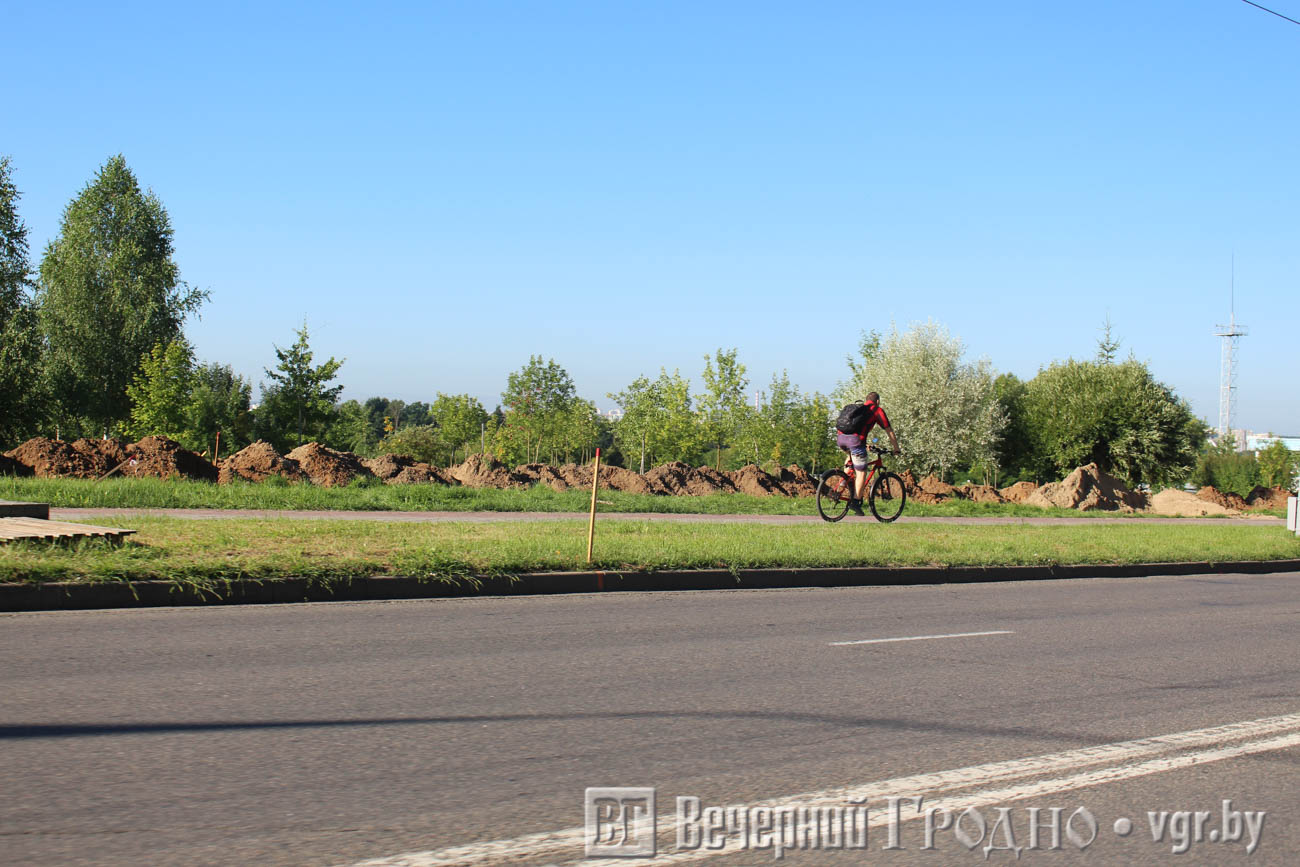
<point>855,444</point>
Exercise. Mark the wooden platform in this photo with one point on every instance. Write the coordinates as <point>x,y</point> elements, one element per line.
<point>42,530</point>
<point>10,509</point>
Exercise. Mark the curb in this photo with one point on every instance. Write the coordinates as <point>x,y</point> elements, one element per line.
<point>54,596</point>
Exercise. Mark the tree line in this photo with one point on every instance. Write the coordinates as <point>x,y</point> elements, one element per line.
<point>94,345</point>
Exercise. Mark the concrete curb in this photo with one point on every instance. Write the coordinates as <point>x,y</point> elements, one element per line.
<point>139,594</point>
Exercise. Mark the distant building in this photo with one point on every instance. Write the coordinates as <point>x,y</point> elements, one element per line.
<point>1252,442</point>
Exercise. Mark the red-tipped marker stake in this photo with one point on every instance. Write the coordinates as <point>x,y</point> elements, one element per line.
<point>591,523</point>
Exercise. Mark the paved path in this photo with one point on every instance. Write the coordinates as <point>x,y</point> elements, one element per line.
<point>507,517</point>
<point>328,734</point>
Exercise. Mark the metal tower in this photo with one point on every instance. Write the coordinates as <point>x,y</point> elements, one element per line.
<point>1230,334</point>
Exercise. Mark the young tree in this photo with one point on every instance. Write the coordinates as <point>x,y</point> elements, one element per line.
<point>460,421</point>
<point>1221,466</point>
<point>658,424</point>
<point>350,430</point>
<point>1278,466</point>
<point>109,292</point>
<point>20,344</point>
<point>537,397</point>
<point>161,392</point>
<point>219,402</point>
<point>1015,450</point>
<point>942,408</point>
<point>300,393</point>
<point>722,406</point>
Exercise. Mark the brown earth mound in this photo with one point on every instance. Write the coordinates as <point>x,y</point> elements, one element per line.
<point>1268,498</point>
<point>52,459</point>
<point>929,490</point>
<point>103,455</point>
<point>1185,504</point>
<point>1088,489</point>
<point>161,458</point>
<point>797,482</point>
<point>751,479</point>
<point>1019,492</point>
<point>401,470</point>
<point>11,467</point>
<point>481,472</point>
<point>612,478</point>
<point>256,463</point>
<point>980,494</point>
<point>326,467</point>
<point>681,479</point>
<point>542,474</point>
<point>1227,499</point>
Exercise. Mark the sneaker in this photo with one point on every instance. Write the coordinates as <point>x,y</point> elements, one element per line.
<point>855,506</point>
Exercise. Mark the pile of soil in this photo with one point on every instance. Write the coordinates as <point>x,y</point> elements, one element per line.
<point>51,459</point>
<point>542,474</point>
<point>1087,488</point>
<point>103,456</point>
<point>1227,499</point>
<point>1019,492</point>
<point>797,482</point>
<point>161,458</point>
<point>401,470</point>
<point>751,479</point>
<point>1268,498</point>
<point>328,468</point>
<point>681,479</point>
<point>1172,501</point>
<point>929,490</point>
<point>980,494</point>
<point>481,472</point>
<point>256,463</point>
<point>11,467</point>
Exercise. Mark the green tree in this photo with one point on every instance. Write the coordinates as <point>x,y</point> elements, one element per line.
<point>460,421</point>
<point>300,393</point>
<point>1221,466</point>
<point>658,424</point>
<point>161,391</point>
<point>109,292</point>
<point>537,399</point>
<point>1115,415</point>
<point>20,344</point>
<point>722,406</point>
<point>418,441</point>
<point>1015,449</point>
<point>1278,465</point>
<point>942,408</point>
<point>350,430</point>
<point>219,403</point>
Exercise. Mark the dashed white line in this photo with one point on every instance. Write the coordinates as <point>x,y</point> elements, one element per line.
<point>921,637</point>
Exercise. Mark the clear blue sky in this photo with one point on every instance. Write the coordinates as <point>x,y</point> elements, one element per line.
<point>442,189</point>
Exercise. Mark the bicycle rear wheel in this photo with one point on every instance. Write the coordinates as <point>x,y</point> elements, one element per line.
<point>833,494</point>
<point>887,498</point>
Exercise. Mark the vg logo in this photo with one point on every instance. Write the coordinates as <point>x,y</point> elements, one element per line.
<point>619,822</point>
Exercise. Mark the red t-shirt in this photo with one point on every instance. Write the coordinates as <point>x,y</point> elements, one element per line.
<point>877,417</point>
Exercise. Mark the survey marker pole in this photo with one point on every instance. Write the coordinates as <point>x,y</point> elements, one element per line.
<point>591,522</point>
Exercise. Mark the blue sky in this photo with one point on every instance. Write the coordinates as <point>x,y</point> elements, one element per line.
<point>443,189</point>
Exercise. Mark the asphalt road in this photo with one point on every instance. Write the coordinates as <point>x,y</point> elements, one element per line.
<point>414,732</point>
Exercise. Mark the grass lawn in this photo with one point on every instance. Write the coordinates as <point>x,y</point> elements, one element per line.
<point>205,552</point>
<point>374,496</point>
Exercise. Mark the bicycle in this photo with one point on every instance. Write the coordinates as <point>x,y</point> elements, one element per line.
<point>886,494</point>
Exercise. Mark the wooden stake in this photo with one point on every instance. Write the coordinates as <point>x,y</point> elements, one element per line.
<point>216,450</point>
<point>591,523</point>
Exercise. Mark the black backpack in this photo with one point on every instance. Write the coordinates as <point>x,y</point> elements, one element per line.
<point>853,417</point>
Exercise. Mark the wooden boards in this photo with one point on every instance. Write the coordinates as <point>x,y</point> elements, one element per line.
<point>37,530</point>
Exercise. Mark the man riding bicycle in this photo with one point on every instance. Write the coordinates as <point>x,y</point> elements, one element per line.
<point>855,442</point>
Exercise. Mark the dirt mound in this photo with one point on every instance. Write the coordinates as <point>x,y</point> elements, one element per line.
<point>52,459</point>
<point>1172,501</point>
<point>1087,489</point>
<point>980,494</point>
<point>257,463</point>
<point>160,458</point>
<point>1019,492</point>
<point>401,470</point>
<point>542,474</point>
<point>611,478</point>
<point>751,479</point>
<point>102,455</point>
<point>681,479</point>
<point>326,467</point>
<point>1227,499</point>
<point>929,490</point>
<point>481,472</point>
<point>797,482</point>
<point>11,467</point>
<point>1268,498</point>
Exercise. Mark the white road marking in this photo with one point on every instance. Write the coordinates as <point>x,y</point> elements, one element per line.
<point>921,637</point>
<point>1224,742</point>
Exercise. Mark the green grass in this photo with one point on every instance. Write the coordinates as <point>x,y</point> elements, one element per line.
<point>159,494</point>
<point>204,553</point>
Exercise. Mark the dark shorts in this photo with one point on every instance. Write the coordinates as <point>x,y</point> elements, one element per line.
<point>856,446</point>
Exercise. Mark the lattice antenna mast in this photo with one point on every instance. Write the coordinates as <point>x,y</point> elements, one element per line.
<point>1230,335</point>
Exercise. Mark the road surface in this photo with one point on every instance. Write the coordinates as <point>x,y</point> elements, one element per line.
<point>420,732</point>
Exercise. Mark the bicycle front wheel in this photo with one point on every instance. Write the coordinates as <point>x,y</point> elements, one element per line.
<point>833,494</point>
<point>888,496</point>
